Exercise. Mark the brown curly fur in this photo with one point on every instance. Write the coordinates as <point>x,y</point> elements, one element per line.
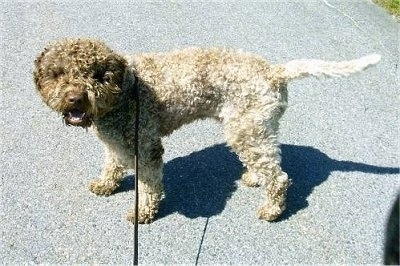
<point>90,85</point>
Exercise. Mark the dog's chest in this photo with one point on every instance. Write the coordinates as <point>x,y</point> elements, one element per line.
<point>116,130</point>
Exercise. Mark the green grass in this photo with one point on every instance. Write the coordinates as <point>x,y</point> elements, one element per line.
<point>392,6</point>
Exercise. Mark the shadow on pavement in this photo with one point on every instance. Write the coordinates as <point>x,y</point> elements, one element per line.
<point>309,167</point>
<point>199,185</point>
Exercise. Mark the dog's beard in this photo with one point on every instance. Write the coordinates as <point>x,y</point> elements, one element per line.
<point>77,118</point>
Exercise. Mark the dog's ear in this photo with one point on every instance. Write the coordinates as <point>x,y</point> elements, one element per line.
<point>115,68</point>
<point>110,70</point>
<point>38,72</point>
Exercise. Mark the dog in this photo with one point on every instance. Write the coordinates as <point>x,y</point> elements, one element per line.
<point>92,86</point>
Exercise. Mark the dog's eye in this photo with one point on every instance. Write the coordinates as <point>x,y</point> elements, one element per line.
<point>99,75</point>
<point>56,72</point>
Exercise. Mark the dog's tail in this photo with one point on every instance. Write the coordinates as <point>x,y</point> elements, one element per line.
<point>303,67</point>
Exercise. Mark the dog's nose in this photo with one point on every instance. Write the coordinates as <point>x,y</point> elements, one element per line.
<point>75,99</point>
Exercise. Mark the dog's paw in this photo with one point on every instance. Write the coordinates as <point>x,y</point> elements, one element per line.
<point>102,187</point>
<point>252,179</point>
<point>270,212</point>
<point>275,203</point>
<point>144,217</point>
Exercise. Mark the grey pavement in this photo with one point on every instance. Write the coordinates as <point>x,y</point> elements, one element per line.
<point>340,140</point>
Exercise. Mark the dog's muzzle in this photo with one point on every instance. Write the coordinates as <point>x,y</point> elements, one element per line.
<point>77,118</point>
<point>75,114</point>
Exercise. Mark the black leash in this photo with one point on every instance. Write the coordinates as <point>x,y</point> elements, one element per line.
<point>136,225</point>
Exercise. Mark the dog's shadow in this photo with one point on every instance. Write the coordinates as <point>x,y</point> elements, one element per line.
<point>199,185</point>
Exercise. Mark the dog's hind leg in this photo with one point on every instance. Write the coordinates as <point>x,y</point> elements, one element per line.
<point>253,136</point>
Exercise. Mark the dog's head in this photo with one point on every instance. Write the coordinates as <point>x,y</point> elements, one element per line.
<point>80,78</point>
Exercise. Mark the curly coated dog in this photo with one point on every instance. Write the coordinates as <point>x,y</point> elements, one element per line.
<point>92,86</point>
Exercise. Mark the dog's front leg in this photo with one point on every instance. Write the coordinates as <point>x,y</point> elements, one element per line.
<point>150,192</point>
<point>150,188</point>
<point>112,174</point>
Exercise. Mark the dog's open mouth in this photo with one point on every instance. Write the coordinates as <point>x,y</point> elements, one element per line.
<point>77,118</point>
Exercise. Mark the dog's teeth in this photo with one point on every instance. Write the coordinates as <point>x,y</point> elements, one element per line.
<point>76,116</point>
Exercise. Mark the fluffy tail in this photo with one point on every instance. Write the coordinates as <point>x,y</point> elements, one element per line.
<point>303,68</point>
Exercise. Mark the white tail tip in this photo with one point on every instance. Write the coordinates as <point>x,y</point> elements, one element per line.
<point>371,59</point>
<point>311,67</point>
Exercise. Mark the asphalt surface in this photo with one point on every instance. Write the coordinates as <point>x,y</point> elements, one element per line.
<point>340,140</point>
